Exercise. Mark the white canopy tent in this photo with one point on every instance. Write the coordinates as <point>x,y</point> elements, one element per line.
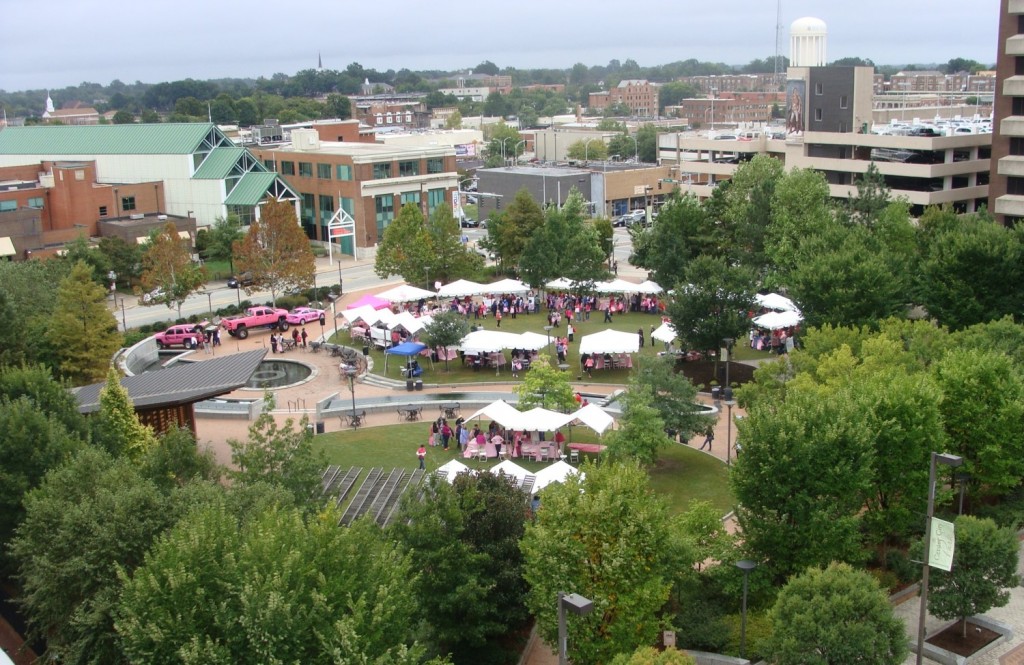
<point>776,302</point>
<point>595,418</point>
<point>489,341</point>
<point>648,286</point>
<point>664,333</point>
<point>410,322</point>
<point>543,420</point>
<point>405,293</point>
<point>560,283</point>
<point>510,468</point>
<point>776,320</point>
<point>461,287</point>
<point>555,473</point>
<point>531,341</point>
<point>500,412</point>
<point>453,468</point>
<point>610,341</point>
<point>365,313</point>
<point>507,286</point>
<point>617,285</point>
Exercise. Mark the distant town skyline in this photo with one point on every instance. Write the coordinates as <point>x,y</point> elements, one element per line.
<point>72,41</point>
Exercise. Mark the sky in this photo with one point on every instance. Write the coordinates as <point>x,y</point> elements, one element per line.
<point>71,41</point>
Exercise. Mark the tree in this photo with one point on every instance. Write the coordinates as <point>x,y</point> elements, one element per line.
<point>705,533</point>
<point>651,656</point>
<point>117,428</point>
<point>123,117</point>
<point>711,303</point>
<point>221,239</point>
<point>748,207</point>
<point>684,231</point>
<point>589,149</point>
<point>13,345</point>
<point>454,120</point>
<point>486,67</point>
<point>276,588</point>
<point>984,569</point>
<point>88,519</point>
<point>565,246</point>
<point>446,329</point>
<point>167,264</point>
<point>801,210</point>
<point>465,539</point>
<point>608,538</point>
<point>673,395</point>
<point>280,455</point>
<point>509,235</point>
<point>149,116</point>
<point>647,142</point>
<point>276,251</point>
<point>176,460</point>
<point>405,248</point>
<point>123,258</point>
<point>36,383</point>
<point>83,331</point>
<point>501,143</point>
<point>80,249</point>
<point>545,387</point>
<point>642,433</point>
<point>339,106</point>
<point>450,259</point>
<point>835,616</point>
<point>873,195</point>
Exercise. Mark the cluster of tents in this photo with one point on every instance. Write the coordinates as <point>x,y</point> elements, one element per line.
<point>554,473</point>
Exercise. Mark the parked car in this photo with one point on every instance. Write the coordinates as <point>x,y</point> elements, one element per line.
<point>243,280</point>
<point>469,223</point>
<point>180,335</point>
<point>303,315</point>
<point>153,296</point>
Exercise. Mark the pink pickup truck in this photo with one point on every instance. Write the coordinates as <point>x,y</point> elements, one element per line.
<point>256,317</point>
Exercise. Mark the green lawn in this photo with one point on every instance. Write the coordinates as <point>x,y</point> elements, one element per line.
<point>681,474</point>
<point>457,374</point>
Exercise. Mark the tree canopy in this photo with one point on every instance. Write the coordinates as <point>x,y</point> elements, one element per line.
<point>83,331</point>
<point>276,251</point>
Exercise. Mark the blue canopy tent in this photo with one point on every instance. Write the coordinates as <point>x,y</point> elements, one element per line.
<point>407,349</point>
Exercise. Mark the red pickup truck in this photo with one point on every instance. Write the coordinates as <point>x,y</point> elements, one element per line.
<point>256,317</point>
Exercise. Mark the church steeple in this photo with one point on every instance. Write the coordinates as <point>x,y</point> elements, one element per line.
<point>319,61</point>
<point>49,105</point>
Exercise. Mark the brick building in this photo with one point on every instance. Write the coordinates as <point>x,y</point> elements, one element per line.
<point>729,108</point>
<point>639,95</point>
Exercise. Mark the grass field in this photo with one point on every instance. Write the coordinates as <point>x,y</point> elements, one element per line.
<point>681,474</point>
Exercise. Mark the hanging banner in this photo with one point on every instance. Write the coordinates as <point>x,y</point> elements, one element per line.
<point>940,548</point>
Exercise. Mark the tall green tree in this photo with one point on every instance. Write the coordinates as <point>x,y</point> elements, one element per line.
<point>450,259</point>
<point>642,431</point>
<point>276,251</point>
<point>748,208</point>
<point>984,570</point>
<point>509,234</point>
<point>545,387</point>
<point>608,538</point>
<point>673,395</point>
<point>501,143</point>
<point>83,331</point>
<point>221,239</point>
<point>117,428</point>
<point>711,303</point>
<point>167,264</point>
<point>405,248</point>
<point>595,149</point>
<point>835,616</point>
<point>123,258</point>
<point>565,246</point>
<point>446,329</point>
<point>684,231</point>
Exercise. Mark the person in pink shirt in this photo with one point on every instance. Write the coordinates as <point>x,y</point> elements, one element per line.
<point>496,441</point>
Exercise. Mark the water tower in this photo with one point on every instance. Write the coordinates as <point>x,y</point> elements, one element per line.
<point>807,42</point>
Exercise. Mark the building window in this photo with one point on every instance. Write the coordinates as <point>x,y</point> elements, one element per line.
<point>385,205</point>
<point>127,203</point>
<point>344,172</point>
<point>406,169</point>
<point>435,197</point>
<point>348,205</point>
<point>817,115</point>
<point>1015,186</point>
<point>305,169</point>
<point>818,89</point>
<point>307,212</point>
<point>411,197</point>
<point>79,175</point>
<point>288,168</point>
<point>269,163</point>
<point>103,211</point>
<point>323,171</point>
<point>435,165</point>
<point>381,171</point>
<point>326,208</point>
<point>7,206</point>
<point>844,102</point>
<point>36,202</point>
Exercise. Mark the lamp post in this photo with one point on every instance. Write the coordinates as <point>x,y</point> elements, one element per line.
<point>962,478</point>
<point>341,286</point>
<point>547,330</point>
<point>636,149</point>
<point>746,565</point>
<point>579,606</point>
<point>124,318</point>
<point>713,91</point>
<point>946,460</point>
<point>728,433</point>
<point>586,149</point>
<point>515,150</point>
<point>350,374</point>
<point>502,141</point>
<point>727,389</point>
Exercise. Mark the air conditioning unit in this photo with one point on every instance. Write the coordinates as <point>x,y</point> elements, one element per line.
<point>161,217</point>
<point>137,216</point>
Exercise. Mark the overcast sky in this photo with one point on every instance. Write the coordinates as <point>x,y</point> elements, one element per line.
<point>66,42</point>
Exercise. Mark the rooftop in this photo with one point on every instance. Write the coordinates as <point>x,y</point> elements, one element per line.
<point>141,139</point>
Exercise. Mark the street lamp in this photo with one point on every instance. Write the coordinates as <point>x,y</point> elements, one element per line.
<point>728,433</point>
<point>586,148</point>
<point>946,460</point>
<point>636,149</point>
<point>124,318</point>
<point>502,141</point>
<point>515,150</point>
<point>579,606</point>
<point>727,390</point>
<point>962,478</point>
<point>713,91</point>
<point>350,374</point>
<point>746,565</point>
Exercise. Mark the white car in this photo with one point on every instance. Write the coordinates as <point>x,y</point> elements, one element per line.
<point>153,296</point>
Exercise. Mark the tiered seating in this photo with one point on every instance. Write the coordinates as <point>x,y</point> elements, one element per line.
<point>365,490</point>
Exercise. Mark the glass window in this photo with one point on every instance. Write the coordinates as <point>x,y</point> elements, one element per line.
<point>308,211</point>
<point>305,169</point>
<point>323,171</point>
<point>844,102</point>
<point>817,114</point>
<point>288,168</point>
<point>269,163</point>
<point>348,205</point>
<point>435,197</point>
<point>103,211</point>
<point>127,203</point>
<point>344,172</point>
<point>381,171</point>
<point>35,202</point>
<point>7,206</point>
<point>326,208</point>
<point>385,212</point>
<point>435,165</point>
<point>410,197</point>
<point>406,169</point>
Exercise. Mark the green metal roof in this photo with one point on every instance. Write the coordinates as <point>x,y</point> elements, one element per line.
<point>155,139</point>
<point>218,163</point>
<point>251,189</point>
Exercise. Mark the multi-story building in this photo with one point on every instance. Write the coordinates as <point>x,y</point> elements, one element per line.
<point>1006,198</point>
<point>471,93</point>
<point>392,110</point>
<point>639,95</point>
<point>828,118</point>
<point>730,108</point>
<point>361,185</point>
<point>718,84</point>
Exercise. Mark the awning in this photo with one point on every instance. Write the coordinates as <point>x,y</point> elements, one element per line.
<point>251,189</point>
<point>185,235</point>
<point>6,247</point>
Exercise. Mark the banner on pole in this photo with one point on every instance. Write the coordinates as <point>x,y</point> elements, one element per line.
<point>940,548</point>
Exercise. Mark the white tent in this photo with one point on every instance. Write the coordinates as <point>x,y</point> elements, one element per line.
<point>409,322</point>
<point>531,341</point>
<point>776,302</point>
<point>664,333</point>
<point>453,468</point>
<point>555,473</point>
<point>560,283</point>
<point>510,468</point>
<point>594,417</point>
<point>461,287</point>
<point>489,341</point>
<point>776,320</point>
<point>507,286</point>
<point>649,287</point>
<point>364,313</point>
<point>502,413</point>
<point>405,293</point>
<point>617,285</point>
<point>610,341</point>
<point>544,420</point>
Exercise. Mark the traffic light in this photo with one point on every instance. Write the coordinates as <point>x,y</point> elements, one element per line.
<point>659,184</point>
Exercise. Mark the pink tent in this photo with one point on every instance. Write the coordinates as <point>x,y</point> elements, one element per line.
<point>371,301</point>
